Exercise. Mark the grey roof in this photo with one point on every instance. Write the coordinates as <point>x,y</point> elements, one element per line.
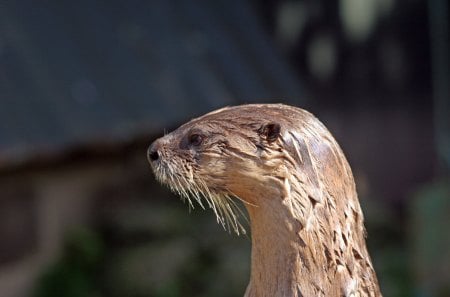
<point>76,72</point>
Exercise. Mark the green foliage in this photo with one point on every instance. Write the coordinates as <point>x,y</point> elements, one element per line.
<point>75,273</point>
<point>430,213</point>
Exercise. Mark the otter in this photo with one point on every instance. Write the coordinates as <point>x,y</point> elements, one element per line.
<point>307,230</point>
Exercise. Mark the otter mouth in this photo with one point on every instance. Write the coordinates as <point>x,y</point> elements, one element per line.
<point>194,191</point>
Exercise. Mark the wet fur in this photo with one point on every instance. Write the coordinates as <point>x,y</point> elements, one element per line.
<point>308,237</point>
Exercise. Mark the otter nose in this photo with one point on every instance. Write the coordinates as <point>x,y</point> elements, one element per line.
<point>152,152</point>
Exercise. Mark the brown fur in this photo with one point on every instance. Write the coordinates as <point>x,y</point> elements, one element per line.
<point>308,237</point>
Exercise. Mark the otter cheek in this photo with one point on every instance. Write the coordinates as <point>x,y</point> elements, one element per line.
<point>210,172</point>
<point>242,182</point>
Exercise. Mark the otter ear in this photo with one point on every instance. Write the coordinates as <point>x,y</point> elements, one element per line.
<point>270,131</point>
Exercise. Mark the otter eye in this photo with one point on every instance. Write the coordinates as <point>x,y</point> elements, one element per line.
<point>195,139</point>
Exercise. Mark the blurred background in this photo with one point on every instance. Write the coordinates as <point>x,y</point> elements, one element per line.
<point>86,86</point>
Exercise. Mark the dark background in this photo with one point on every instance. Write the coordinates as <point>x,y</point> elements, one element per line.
<point>86,86</point>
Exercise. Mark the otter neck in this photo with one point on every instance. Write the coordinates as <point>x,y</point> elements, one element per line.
<point>291,260</point>
<point>276,251</point>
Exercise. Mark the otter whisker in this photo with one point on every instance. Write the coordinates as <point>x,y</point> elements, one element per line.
<point>231,217</point>
<point>233,206</point>
<point>195,194</point>
<point>191,188</point>
<point>178,185</point>
<point>236,206</point>
<point>211,201</point>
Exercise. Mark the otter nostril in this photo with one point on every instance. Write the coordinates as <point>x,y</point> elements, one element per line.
<point>153,155</point>
<point>152,152</point>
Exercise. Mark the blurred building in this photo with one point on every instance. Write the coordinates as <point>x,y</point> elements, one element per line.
<point>86,86</point>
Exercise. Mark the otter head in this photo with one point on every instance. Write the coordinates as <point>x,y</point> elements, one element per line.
<point>254,153</point>
<point>221,155</point>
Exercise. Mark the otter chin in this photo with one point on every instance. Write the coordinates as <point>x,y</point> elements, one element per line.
<point>307,229</point>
